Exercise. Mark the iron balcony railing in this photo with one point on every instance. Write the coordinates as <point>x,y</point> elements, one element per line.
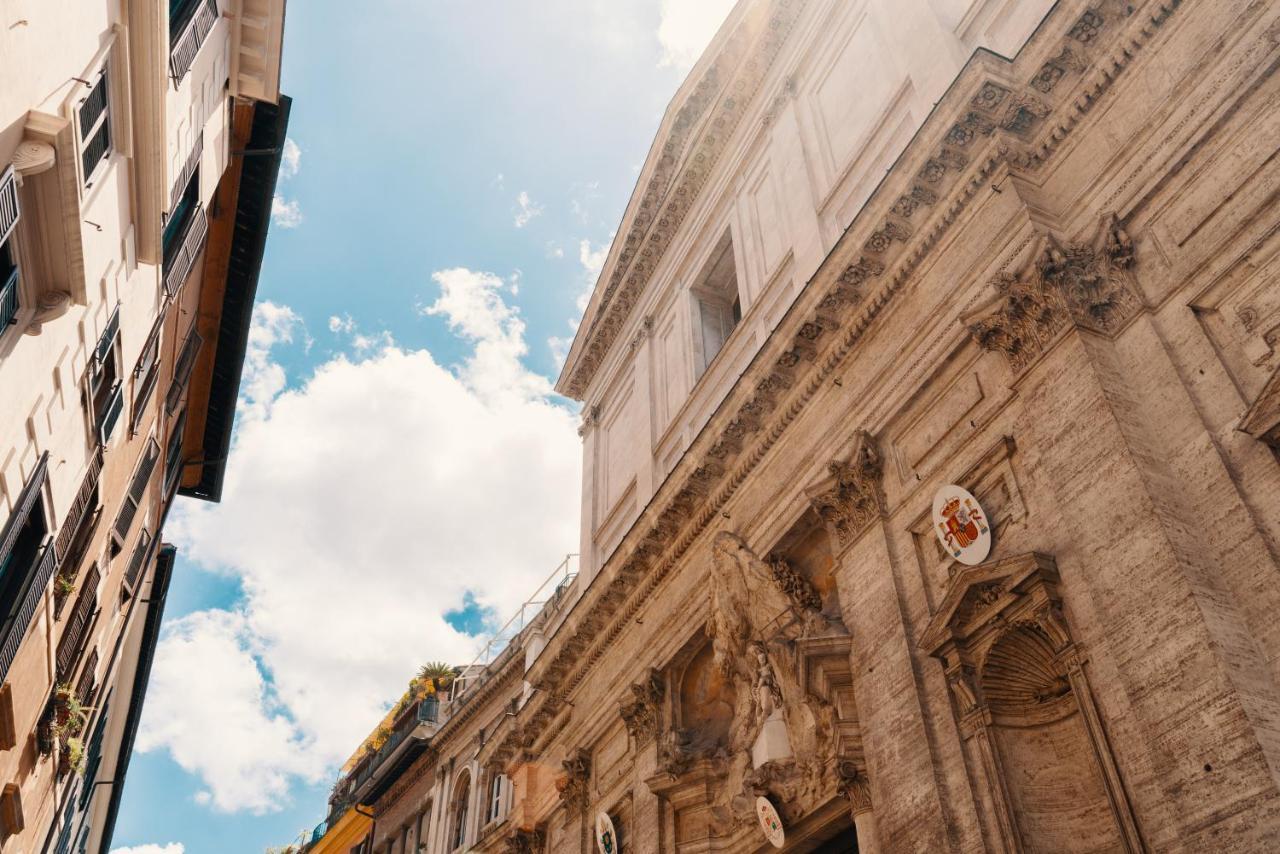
<point>177,268</point>
<point>184,45</point>
<point>31,599</point>
<point>9,300</point>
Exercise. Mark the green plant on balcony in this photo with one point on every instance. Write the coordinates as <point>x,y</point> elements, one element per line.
<point>435,676</point>
<point>63,586</point>
<point>71,757</point>
<point>69,715</point>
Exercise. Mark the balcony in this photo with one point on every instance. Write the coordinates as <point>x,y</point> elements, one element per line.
<point>409,735</point>
<point>189,25</point>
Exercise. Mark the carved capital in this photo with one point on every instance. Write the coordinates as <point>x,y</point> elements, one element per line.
<point>640,712</point>
<point>1088,285</point>
<point>525,842</point>
<point>855,786</point>
<point>573,787</point>
<point>848,500</point>
<point>797,588</point>
<point>590,417</point>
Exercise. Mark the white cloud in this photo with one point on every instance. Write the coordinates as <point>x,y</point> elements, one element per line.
<point>687,27</point>
<point>171,848</point>
<point>359,507</point>
<point>286,213</point>
<point>344,325</point>
<point>290,159</point>
<point>592,259</point>
<point>526,209</point>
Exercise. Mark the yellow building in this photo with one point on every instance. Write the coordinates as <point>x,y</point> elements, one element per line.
<point>346,834</point>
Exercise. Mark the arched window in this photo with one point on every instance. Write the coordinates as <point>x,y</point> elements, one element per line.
<point>458,812</point>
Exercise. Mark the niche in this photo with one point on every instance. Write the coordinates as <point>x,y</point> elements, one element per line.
<point>1033,736</point>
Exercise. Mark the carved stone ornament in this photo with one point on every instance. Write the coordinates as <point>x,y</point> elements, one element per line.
<point>1089,285</point>
<point>796,587</point>
<point>855,787</point>
<point>640,713</point>
<point>1262,420</point>
<point>573,787</point>
<point>525,842</point>
<point>848,500</point>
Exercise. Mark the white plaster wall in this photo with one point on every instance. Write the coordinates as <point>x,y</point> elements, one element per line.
<point>847,93</point>
<point>41,375</point>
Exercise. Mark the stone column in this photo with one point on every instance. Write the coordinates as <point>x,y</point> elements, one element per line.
<point>857,789</point>
<point>890,717</point>
<point>642,714</point>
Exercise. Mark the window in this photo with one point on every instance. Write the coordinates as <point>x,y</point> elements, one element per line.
<point>497,788</point>
<point>461,797</point>
<point>27,561</point>
<point>190,22</point>
<point>106,397</point>
<point>717,306</point>
<point>173,453</point>
<point>182,370</point>
<point>9,281</point>
<point>424,827</point>
<point>184,233</point>
<point>146,373</point>
<point>95,126</point>
<point>137,491</point>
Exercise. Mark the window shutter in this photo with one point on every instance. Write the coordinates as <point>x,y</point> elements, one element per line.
<point>137,489</point>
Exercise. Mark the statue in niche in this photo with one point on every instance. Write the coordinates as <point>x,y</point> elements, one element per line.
<point>767,695</point>
<point>779,732</point>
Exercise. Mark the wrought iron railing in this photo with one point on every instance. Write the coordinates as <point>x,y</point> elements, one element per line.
<point>177,268</point>
<point>184,45</point>
<point>31,600</point>
<point>9,300</point>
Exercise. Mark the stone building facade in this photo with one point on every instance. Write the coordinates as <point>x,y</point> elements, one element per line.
<point>869,257</point>
<point>132,227</point>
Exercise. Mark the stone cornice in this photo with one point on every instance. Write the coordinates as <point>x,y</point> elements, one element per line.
<point>697,138</point>
<point>934,181</point>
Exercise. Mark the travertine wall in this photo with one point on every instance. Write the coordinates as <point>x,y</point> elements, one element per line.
<point>1062,297</point>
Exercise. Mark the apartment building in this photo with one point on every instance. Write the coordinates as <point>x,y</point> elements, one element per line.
<point>140,143</point>
<point>931,436</point>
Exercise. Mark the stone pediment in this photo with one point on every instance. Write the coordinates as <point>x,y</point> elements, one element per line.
<point>977,594</point>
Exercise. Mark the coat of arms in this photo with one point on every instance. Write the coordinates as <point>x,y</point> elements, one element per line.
<point>961,525</point>
<point>606,836</point>
<point>770,822</point>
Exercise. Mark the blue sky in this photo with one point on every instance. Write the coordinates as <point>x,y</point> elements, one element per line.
<point>403,475</point>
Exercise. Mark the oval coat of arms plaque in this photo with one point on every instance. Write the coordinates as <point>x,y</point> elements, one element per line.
<point>961,525</point>
<point>770,822</point>
<point>606,836</point>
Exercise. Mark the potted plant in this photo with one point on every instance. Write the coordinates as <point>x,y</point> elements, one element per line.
<point>71,756</point>
<point>63,587</point>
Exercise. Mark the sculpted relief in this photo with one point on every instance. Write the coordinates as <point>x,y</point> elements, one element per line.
<point>779,737</point>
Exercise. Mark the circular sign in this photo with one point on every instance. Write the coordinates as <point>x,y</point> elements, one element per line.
<point>606,836</point>
<point>961,526</point>
<point>770,822</point>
